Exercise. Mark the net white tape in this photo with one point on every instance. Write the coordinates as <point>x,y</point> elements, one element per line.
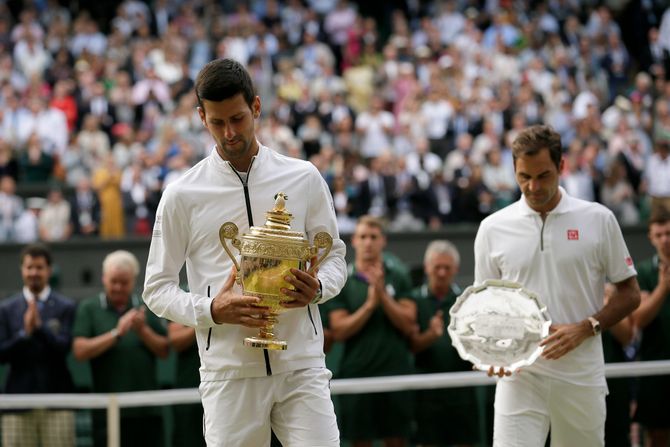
<point>339,386</point>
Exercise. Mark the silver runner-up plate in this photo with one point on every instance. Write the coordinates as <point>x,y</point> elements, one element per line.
<point>498,324</point>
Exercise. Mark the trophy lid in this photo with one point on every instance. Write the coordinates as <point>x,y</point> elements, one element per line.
<point>277,226</point>
<point>275,240</point>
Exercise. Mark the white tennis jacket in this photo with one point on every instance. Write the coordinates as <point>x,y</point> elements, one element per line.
<point>189,215</point>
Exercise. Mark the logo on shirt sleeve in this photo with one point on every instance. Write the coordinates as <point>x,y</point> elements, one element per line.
<point>629,261</point>
<point>157,226</point>
<point>573,235</point>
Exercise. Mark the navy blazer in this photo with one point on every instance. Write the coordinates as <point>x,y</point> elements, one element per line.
<point>37,363</point>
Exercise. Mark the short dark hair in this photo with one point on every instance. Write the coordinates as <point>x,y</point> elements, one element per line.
<point>36,251</point>
<point>660,216</point>
<point>222,79</point>
<point>533,139</point>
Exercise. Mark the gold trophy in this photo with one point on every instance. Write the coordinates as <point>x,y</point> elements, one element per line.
<point>267,255</point>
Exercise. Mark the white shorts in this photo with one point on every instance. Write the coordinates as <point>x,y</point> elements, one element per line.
<point>296,405</point>
<point>526,405</point>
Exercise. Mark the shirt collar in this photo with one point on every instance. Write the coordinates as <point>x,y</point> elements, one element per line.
<point>104,302</point>
<point>562,206</point>
<point>453,289</point>
<point>42,296</point>
<point>224,164</point>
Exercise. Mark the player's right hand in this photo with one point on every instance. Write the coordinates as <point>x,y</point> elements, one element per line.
<point>233,308</point>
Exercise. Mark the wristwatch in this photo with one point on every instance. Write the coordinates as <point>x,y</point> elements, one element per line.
<point>595,325</point>
<point>115,333</point>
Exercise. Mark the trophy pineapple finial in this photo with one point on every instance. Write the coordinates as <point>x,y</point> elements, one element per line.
<point>278,217</point>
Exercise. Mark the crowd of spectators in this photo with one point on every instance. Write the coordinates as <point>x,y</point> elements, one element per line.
<point>408,109</point>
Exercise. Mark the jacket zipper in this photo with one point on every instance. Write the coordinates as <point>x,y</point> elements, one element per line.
<point>245,186</point>
<point>542,234</point>
<point>209,333</point>
<point>250,218</point>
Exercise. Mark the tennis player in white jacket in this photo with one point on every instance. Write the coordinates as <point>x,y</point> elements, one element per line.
<point>245,391</point>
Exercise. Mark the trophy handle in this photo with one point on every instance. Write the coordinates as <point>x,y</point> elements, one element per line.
<point>321,240</point>
<point>229,231</point>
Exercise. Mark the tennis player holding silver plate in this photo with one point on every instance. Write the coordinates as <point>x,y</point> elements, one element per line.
<point>498,324</point>
<point>564,249</point>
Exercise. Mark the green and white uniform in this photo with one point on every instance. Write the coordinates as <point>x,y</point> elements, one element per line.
<point>378,349</point>
<point>127,366</point>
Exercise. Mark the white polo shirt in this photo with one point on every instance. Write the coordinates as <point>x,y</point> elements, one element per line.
<point>565,260</point>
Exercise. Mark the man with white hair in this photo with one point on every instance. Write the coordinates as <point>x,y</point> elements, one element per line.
<point>434,353</point>
<point>122,340</point>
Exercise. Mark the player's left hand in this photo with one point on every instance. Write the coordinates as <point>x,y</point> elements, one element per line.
<point>563,338</point>
<point>306,287</point>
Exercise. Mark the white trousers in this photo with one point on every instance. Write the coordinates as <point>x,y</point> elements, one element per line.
<point>296,405</point>
<point>527,405</point>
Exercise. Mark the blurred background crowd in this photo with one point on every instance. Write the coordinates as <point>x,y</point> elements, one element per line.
<point>408,108</point>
